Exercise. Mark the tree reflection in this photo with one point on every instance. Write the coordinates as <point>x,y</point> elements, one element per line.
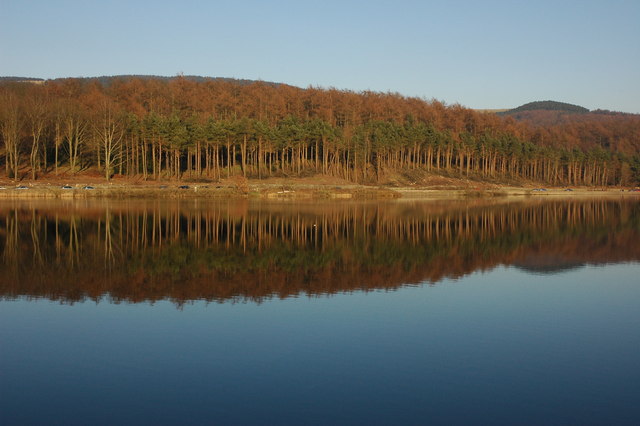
<point>239,250</point>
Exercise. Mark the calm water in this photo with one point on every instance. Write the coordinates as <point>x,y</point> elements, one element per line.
<point>336,313</point>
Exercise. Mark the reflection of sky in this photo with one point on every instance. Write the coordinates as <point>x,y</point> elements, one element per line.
<point>500,346</point>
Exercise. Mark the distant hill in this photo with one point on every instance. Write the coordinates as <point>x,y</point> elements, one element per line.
<point>106,80</point>
<point>21,79</point>
<point>552,113</point>
<point>547,106</point>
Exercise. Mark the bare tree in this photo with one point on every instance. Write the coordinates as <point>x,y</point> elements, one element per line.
<point>37,114</point>
<point>10,126</point>
<point>74,128</point>
<point>109,131</point>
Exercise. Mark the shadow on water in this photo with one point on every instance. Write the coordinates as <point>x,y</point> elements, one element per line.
<point>184,251</point>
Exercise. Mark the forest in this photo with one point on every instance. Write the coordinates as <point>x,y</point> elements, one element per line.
<point>185,128</point>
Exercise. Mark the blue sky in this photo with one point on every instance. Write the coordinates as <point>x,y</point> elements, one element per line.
<point>481,54</point>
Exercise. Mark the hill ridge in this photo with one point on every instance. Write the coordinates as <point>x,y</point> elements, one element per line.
<point>547,105</point>
<point>106,80</point>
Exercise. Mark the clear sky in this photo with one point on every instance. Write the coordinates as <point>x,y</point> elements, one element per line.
<point>481,54</point>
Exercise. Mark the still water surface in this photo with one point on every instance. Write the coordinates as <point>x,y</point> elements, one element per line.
<point>352,313</point>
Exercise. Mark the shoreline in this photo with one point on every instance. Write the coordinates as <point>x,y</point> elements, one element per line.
<point>299,189</point>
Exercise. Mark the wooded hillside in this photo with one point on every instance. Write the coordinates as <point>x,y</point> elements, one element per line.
<point>195,128</point>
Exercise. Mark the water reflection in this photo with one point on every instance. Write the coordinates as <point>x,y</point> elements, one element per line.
<point>181,251</point>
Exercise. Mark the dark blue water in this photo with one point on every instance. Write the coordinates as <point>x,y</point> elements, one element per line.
<point>503,346</point>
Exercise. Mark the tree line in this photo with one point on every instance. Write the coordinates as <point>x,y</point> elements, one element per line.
<point>182,128</point>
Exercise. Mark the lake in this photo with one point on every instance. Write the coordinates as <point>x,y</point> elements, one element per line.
<point>395,312</point>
